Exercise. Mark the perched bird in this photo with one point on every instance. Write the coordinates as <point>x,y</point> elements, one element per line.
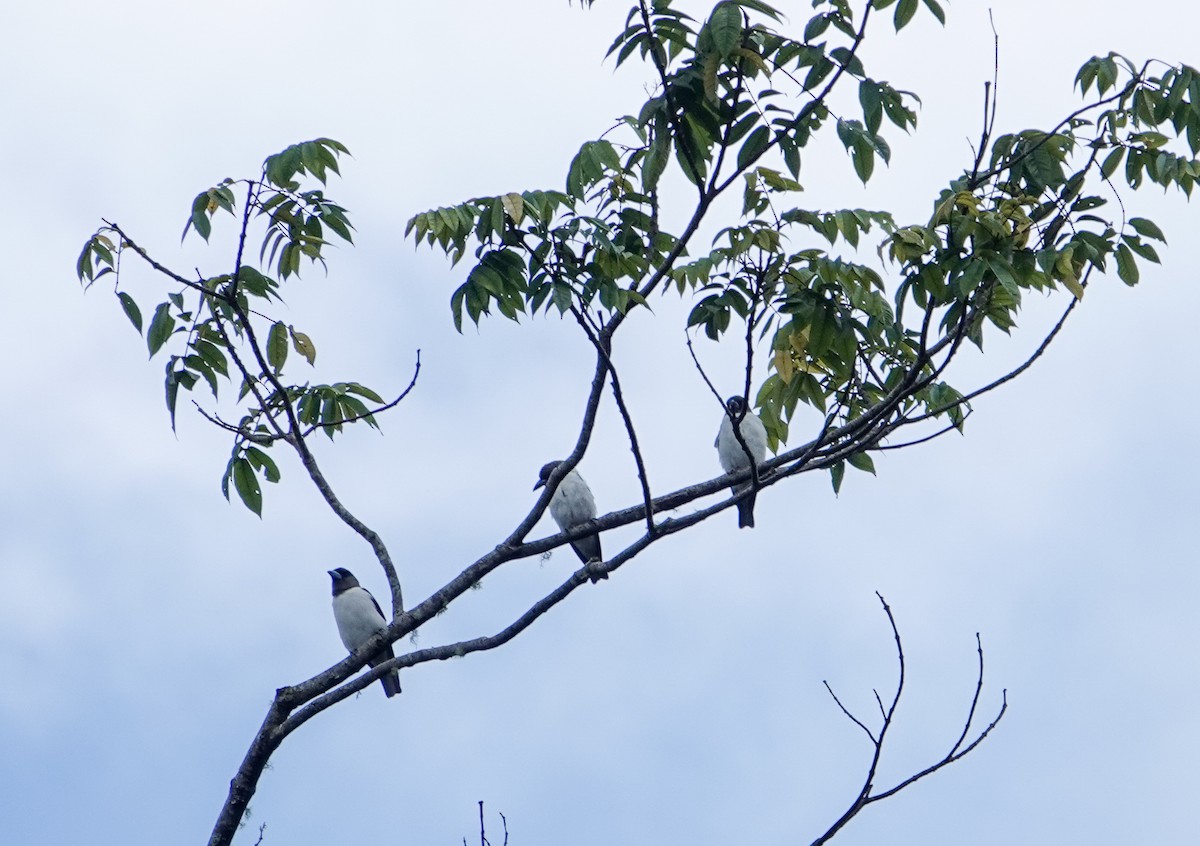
<point>572,505</point>
<point>733,456</point>
<point>358,616</point>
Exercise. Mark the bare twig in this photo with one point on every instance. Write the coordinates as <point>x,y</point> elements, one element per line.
<point>868,794</point>
<point>849,716</point>
<point>1132,86</point>
<point>946,429</point>
<point>753,472</point>
<point>623,410</point>
<point>991,93</point>
<point>165,271</point>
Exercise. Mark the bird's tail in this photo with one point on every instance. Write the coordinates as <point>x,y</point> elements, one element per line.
<point>745,509</point>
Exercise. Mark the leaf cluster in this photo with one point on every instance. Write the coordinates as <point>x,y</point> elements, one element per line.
<point>739,99</point>
<point>216,328</point>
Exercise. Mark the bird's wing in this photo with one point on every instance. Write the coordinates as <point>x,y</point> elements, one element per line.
<point>371,597</point>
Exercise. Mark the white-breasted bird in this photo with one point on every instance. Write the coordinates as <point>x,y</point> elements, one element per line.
<point>733,457</point>
<point>573,505</point>
<point>358,616</point>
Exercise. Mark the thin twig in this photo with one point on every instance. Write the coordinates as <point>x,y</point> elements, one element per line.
<point>623,410</point>
<point>867,794</point>
<point>754,473</point>
<point>951,428</point>
<point>371,413</point>
<point>850,716</point>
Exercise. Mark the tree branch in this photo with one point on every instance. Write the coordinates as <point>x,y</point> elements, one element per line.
<point>618,397</point>
<point>867,795</point>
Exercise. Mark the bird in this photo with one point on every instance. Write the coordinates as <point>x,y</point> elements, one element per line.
<point>571,506</point>
<point>358,616</point>
<point>733,457</point>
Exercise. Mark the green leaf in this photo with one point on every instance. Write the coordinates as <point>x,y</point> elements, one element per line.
<point>1144,250</point>
<point>363,391</point>
<point>1111,162</point>
<point>277,346</point>
<point>353,408</point>
<point>212,354</point>
<point>656,158</point>
<point>245,482</point>
<point>260,460</point>
<point>1127,266</point>
<point>456,305</point>
<point>754,147</point>
<point>227,475</point>
<point>172,391</point>
<point>1005,275</point>
<point>871,99</point>
<point>725,27</point>
<point>131,311</point>
<point>905,10</point>
<point>83,267</point>
<point>836,473</point>
<point>161,327</point>
<point>199,218</point>
<point>863,156</point>
<point>816,25</point>
<point>563,297</point>
<point>862,461</point>
<point>197,364</point>
<point>303,345</point>
<point>1147,228</point>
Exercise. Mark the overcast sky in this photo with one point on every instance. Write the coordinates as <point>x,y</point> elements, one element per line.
<point>145,623</point>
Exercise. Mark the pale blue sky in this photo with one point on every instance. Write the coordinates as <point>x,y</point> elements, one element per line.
<point>145,623</point>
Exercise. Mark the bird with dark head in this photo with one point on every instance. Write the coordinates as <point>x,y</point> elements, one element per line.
<point>732,454</point>
<point>358,617</point>
<point>571,506</point>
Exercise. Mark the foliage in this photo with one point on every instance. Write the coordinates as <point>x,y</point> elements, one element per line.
<point>208,321</point>
<point>736,104</point>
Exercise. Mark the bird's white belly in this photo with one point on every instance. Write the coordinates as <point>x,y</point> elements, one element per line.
<point>356,617</point>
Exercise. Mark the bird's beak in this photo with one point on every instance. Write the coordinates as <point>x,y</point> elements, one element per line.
<point>332,573</point>
<point>540,483</point>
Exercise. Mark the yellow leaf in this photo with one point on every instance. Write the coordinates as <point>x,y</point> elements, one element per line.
<point>812,367</point>
<point>967,201</point>
<point>1065,266</point>
<point>799,341</point>
<point>942,213</point>
<point>754,59</point>
<point>514,205</point>
<point>783,365</point>
<point>711,65</point>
